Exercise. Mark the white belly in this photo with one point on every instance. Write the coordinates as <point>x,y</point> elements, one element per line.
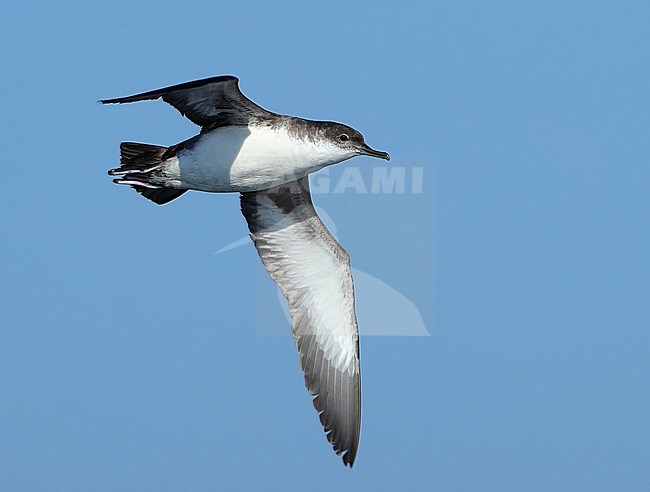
<point>239,158</point>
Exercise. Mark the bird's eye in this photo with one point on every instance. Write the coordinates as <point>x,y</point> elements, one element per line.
<point>344,138</point>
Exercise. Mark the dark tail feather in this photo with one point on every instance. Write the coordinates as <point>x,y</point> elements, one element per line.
<point>138,164</point>
<point>134,152</point>
<point>161,195</point>
<point>138,158</point>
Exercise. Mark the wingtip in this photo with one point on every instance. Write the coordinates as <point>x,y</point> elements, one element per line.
<point>349,458</point>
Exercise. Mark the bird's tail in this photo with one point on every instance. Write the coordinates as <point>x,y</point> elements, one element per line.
<point>138,165</point>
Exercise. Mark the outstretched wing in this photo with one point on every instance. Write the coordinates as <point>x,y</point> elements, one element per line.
<point>212,102</point>
<point>313,272</point>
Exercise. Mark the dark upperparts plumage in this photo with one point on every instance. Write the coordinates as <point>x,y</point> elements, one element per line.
<point>217,101</point>
<point>209,103</point>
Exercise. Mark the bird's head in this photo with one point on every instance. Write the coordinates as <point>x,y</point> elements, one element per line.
<point>350,142</point>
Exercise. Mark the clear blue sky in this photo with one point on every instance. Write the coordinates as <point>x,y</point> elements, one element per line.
<point>133,358</point>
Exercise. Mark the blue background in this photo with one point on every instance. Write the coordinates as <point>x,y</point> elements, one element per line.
<point>129,354</point>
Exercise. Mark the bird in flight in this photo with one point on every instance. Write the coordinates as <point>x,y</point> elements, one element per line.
<point>267,157</point>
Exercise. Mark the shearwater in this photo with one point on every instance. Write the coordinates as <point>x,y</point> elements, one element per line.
<point>267,157</point>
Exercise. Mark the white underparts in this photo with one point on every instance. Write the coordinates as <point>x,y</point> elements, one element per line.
<point>239,158</point>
